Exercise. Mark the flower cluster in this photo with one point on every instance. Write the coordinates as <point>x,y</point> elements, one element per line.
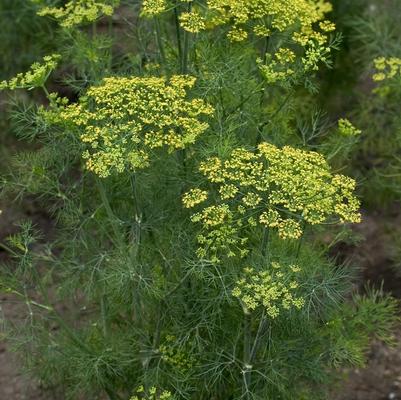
<point>192,21</point>
<point>266,16</point>
<point>36,76</point>
<point>124,118</point>
<point>273,290</point>
<point>273,188</point>
<point>76,12</point>
<point>194,197</point>
<point>387,68</point>
<point>179,358</point>
<point>303,20</point>
<point>152,394</point>
<point>346,128</point>
<point>152,8</point>
<point>284,65</point>
<point>279,67</point>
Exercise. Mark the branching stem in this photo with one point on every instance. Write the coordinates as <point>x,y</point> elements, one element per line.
<point>160,41</point>
<point>247,354</point>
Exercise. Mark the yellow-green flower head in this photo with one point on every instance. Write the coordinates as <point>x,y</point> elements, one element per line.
<point>152,8</point>
<point>272,188</point>
<point>346,128</point>
<point>36,76</point>
<point>273,289</point>
<point>387,68</point>
<point>192,21</point>
<point>77,12</point>
<point>194,197</point>
<point>123,119</point>
<point>304,21</point>
<point>177,356</point>
<point>265,16</point>
<point>284,65</point>
<point>151,394</point>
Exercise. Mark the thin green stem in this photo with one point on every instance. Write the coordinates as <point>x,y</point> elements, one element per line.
<point>47,94</point>
<point>106,204</point>
<point>247,354</point>
<point>261,328</point>
<point>265,48</point>
<point>103,310</point>
<point>263,124</point>
<point>160,42</point>
<point>300,241</point>
<point>262,94</point>
<point>137,209</point>
<point>94,29</point>
<point>265,241</point>
<point>111,34</point>
<point>185,53</point>
<point>136,229</point>
<point>8,249</point>
<point>178,33</point>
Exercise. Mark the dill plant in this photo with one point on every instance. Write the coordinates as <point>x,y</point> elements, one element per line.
<point>132,300</point>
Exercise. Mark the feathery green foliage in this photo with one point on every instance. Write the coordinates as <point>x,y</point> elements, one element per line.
<point>128,299</point>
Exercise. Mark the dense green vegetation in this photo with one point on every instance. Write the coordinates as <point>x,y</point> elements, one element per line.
<point>199,161</point>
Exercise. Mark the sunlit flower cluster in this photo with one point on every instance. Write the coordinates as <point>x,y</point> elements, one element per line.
<point>273,289</point>
<point>304,21</point>
<point>315,53</point>
<point>124,118</point>
<point>152,8</point>
<point>192,22</point>
<point>387,68</point>
<point>264,16</point>
<point>275,188</point>
<point>279,68</point>
<point>36,76</point>
<point>194,197</point>
<point>346,128</point>
<point>151,394</point>
<point>76,12</point>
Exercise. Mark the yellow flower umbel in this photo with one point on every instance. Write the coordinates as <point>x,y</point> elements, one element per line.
<point>266,16</point>
<point>278,15</point>
<point>346,128</point>
<point>273,290</point>
<point>387,68</point>
<point>273,188</point>
<point>178,357</point>
<point>152,8</point>
<point>278,68</point>
<point>77,12</point>
<point>123,119</point>
<point>192,21</point>
<point>152,394</point>
<point>303,20</point>
<point>36,76</point>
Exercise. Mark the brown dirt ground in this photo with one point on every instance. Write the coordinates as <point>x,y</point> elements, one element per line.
<point>14,383</point>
